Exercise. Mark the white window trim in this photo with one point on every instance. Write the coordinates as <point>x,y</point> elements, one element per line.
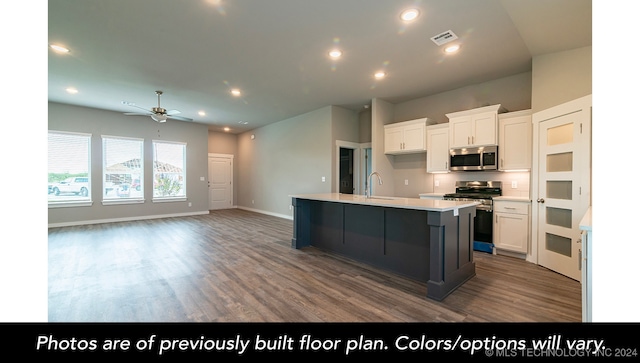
<point>170,199</point>
<point>70,204</point>
<point>120,201</point>
<point>73,203</point>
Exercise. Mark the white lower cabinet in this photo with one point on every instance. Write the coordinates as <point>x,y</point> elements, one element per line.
<point>511,226</point>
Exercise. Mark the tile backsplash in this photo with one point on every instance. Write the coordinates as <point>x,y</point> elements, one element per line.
<point>514,184</point>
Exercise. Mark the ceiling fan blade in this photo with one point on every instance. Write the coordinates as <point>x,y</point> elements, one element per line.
<point>136,106</point>
<point>179,118</point>
<point>138,113</point>
<point>172,112</point>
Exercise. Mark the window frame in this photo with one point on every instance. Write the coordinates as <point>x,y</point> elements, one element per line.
<point>84,202</point>
<point>122,200</point>
<point>164,199</point>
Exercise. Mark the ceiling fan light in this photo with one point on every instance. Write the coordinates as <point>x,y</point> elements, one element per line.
<point>159,117</point>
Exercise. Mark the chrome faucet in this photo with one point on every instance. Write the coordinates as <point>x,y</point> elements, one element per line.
<point>368,182</point>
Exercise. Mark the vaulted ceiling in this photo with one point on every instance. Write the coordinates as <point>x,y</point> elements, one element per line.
<point>276,52</point>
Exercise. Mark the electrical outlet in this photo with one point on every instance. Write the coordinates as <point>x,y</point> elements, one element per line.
<point>437,183</point>
<point>189,204</point>
<point>252,201</point>
<point>406,182</point>
<point>514,184</point>
<point>323,179</point>
<point>201,178</point>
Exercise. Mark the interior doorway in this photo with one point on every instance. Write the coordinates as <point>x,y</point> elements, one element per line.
<point>346,171</point>
<point>347,177</point>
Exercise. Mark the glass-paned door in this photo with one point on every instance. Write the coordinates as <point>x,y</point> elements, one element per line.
<point>561,144</point>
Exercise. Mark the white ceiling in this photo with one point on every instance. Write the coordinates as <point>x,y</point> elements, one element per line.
<point>275,51</point>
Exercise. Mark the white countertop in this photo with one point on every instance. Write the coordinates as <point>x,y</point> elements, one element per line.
<point>432,194</point>
<point>396,202</point>
<point>585,222</point>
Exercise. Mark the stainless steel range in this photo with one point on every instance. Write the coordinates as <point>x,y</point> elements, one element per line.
<point>482,192</point>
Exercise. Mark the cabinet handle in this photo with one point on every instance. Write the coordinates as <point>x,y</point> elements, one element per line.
<point>509,207</point>
<point>468,140</point>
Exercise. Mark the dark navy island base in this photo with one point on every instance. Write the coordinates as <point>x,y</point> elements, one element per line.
<point>427,242</point>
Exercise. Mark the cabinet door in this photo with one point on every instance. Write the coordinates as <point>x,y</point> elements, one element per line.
<point>515,143</point>
<point>460,131</point>
<point>437,150</point>
<point>511,232</point>
<point>413,138</point>
<point>392,139</point>
<point>484,129</point>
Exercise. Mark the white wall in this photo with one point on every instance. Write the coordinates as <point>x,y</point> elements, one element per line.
<point>285,158</point>
<point>561,77</point>
<point>381,114</point>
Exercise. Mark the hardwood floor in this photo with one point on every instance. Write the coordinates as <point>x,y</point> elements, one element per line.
<point>238,266</point>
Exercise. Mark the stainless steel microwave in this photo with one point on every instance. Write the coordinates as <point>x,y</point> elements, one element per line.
<point>473,158</point>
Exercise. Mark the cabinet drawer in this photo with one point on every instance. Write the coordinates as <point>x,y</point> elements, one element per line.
<point>511,207</point>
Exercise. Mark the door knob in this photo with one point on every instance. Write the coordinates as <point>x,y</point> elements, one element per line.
<point>540,200</point>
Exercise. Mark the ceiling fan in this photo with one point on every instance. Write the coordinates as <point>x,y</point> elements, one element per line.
<point>158,114</point>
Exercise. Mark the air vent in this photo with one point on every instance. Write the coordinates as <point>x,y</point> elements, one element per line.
<point>444,37</point>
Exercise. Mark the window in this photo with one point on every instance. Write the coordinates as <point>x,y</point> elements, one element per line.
<point>169,160</point>
<point>122,169</point>
<point>69,156</point>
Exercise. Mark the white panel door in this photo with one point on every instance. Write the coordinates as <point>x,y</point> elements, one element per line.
<point>220,182</point>
<point>563,187</point>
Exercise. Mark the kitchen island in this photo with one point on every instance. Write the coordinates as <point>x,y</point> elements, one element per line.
<point>423,239</point>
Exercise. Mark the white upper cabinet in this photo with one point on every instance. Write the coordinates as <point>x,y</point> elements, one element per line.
<point>405,137</point>
<point>514,140</point>
<point>476,127</point>
<point>437,148</point>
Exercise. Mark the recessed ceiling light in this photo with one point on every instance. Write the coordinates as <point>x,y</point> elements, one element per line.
<point>202,113</point>
<point>409,14</point>
<point>72,90</point>
<point>452,48</point>
<point>380,75</point>
<point>59,48</point>
<point>235,92</point>
<point>226,129</point>
<point>336,53</point>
